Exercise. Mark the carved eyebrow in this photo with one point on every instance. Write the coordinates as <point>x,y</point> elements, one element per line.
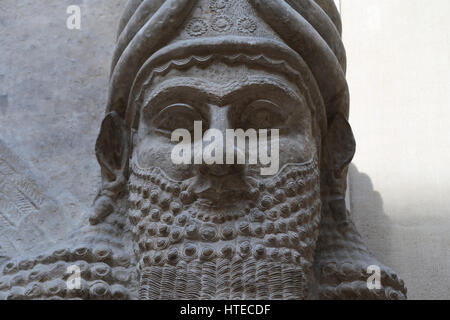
<point>213,92</point>
<point>263,86</point>
<point>179,83</point>
<point>179,106</point>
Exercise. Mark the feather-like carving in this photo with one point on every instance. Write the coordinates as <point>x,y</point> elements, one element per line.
<point>21,203</point>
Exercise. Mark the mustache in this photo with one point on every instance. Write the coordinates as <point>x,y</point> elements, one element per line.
<point>210,186</point>
<point>238,182</point>
<point>241,184</point>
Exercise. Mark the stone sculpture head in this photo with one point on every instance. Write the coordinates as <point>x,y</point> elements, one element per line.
<point>224,231</point>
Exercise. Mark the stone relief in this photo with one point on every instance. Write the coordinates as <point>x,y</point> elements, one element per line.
<point>29,219</point>
<point>207,231</point>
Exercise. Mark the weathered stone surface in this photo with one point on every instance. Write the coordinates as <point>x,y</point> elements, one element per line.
<point>164,231</point>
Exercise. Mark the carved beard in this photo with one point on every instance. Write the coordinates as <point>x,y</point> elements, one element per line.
<point>261,246</point>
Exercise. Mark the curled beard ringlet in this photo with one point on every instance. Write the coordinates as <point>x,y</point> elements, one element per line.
<point>261,246</point>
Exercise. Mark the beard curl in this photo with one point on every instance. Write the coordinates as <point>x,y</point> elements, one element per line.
<point>260,246</point>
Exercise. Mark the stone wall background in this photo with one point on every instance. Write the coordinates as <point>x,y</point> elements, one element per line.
<point>53,87</point>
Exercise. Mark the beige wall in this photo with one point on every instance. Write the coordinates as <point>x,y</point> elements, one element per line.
<point>399,63</point>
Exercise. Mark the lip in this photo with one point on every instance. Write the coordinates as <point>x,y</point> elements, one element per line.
<point>219,189</point>
<point>218,196</point>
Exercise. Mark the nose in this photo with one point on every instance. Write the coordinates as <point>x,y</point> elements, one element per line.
<point>222,168</point>
<point>219,166</point>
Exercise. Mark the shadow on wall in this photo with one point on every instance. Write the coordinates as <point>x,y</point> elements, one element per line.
<point>367,212</point>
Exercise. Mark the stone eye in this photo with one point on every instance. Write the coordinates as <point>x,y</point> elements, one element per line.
<point>175,116</point>
<point>262,114</point>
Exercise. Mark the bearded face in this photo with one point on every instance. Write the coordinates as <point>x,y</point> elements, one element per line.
<point>224,231</point>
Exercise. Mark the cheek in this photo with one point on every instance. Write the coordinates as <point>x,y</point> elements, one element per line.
<point>296,148</point>
<point>299,145</point>
<point>156,152</point>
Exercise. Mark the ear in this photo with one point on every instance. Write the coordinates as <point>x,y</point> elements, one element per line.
<point>112,155</point>
<point>111,147</point>
<point>340,145</point>
<point>338,150</point>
